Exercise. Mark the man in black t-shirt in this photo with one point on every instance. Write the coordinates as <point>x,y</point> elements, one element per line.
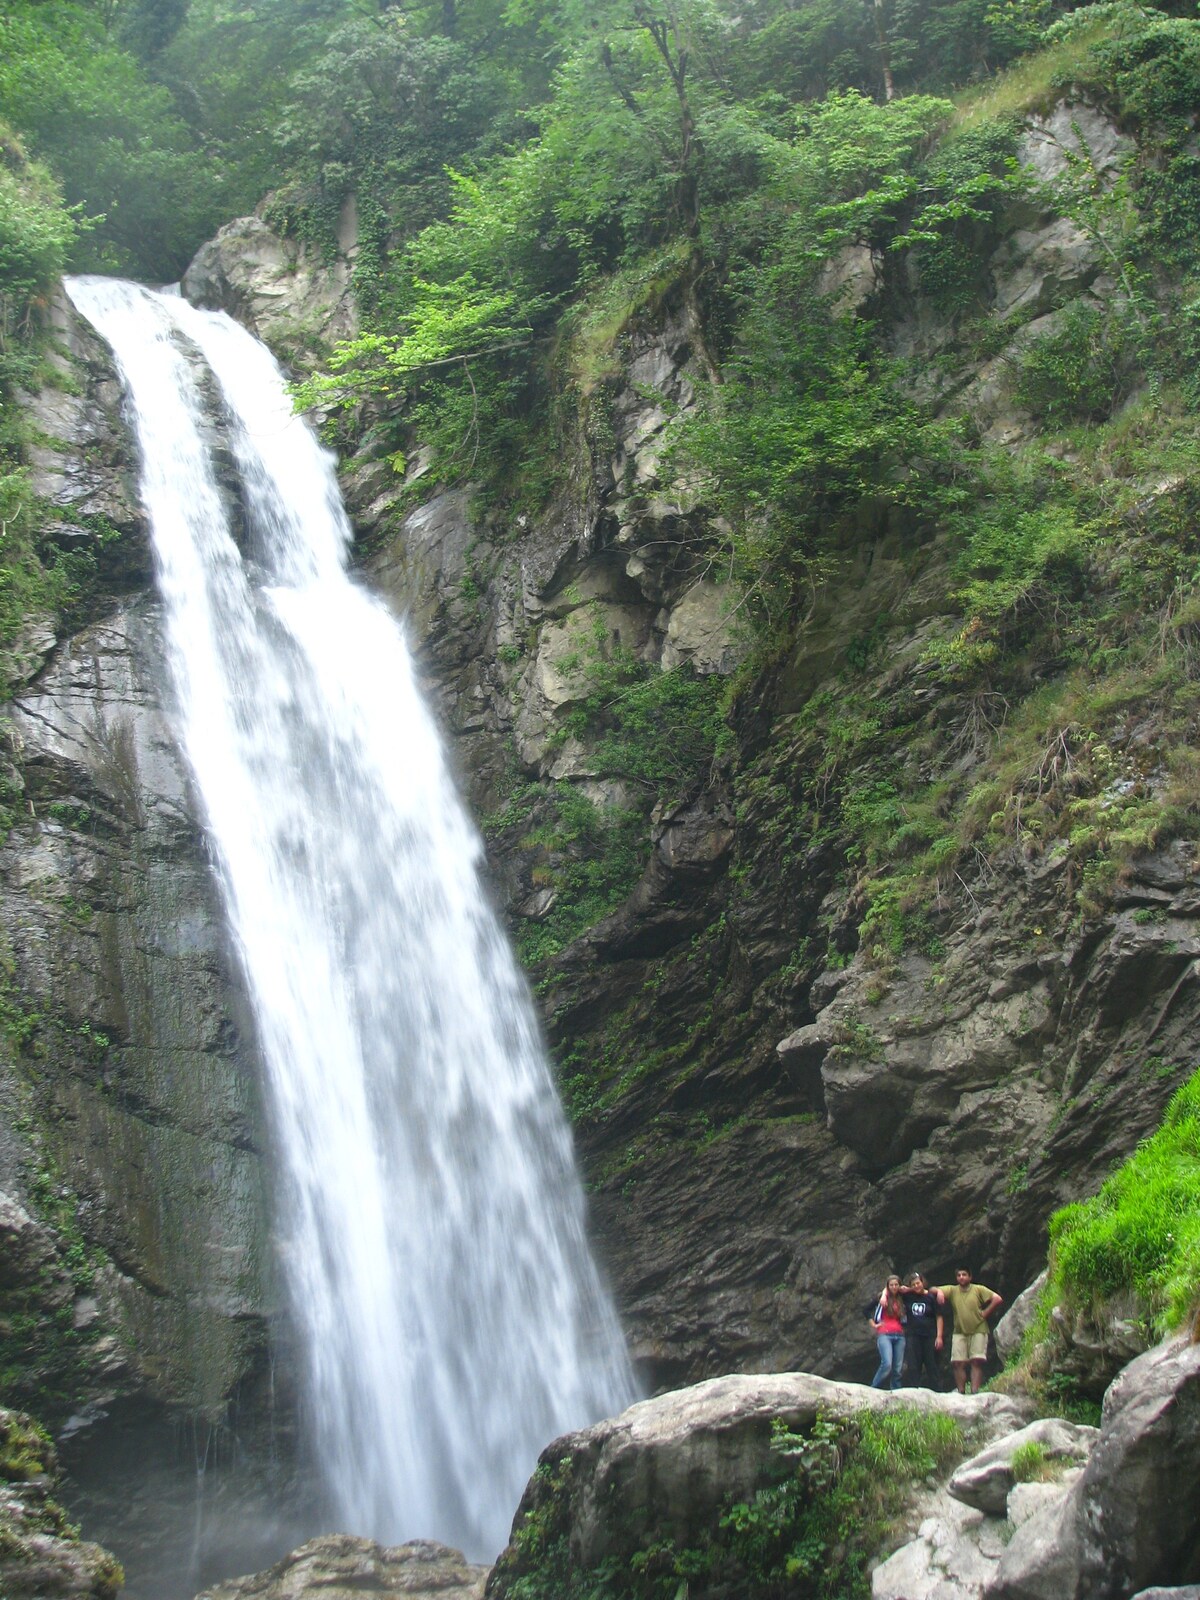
<point>923,1330</point>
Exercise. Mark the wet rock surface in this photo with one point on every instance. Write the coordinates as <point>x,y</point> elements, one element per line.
<point>137,1061</point>
<point>130,1122</point>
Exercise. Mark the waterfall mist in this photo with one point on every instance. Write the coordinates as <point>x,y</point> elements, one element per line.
<point>430,1220</point>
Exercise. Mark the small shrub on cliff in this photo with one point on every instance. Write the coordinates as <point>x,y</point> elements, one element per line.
<point>36,232</point>
<point>25,1449</point>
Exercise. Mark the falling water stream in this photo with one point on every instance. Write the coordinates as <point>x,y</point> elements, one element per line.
<point>431,1222</point>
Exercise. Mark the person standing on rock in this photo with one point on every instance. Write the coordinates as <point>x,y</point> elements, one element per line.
<point>972,1304</point>
<point>924,1330</point>
<point>887,1323</point>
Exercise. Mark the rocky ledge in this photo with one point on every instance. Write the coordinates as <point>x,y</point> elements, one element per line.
<point>41,1554</point>
<point>339,1567</point>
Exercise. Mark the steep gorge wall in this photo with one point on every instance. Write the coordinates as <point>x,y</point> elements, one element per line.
<point>770,1121</point>
<point>133,1128</point>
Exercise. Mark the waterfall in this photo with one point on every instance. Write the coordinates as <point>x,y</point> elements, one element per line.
<point>431,1222</point>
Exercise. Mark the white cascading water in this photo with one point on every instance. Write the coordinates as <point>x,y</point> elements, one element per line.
<point>432,1222</point>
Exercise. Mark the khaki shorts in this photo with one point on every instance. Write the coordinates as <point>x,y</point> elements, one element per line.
<point>969,1346</point>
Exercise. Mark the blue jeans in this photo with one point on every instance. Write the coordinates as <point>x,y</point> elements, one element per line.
<point>891,1360</point>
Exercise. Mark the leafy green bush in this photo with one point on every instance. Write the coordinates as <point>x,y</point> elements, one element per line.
<point>1010,553</point>
<point>594,858</point>
<point>1082,371</point>
<point>36,234</point>
<point>1141,1233</point>
<point>113,139</point>
<point>656,728</point>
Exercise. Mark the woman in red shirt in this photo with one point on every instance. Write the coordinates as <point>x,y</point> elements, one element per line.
<point>887,1322</point>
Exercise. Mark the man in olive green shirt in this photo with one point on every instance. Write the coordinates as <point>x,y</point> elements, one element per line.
<point>973,1304</point>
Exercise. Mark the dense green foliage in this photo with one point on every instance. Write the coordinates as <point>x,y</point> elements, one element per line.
<point>1140,1235</point>
<point>533,177</point>
<point>823,1511</point>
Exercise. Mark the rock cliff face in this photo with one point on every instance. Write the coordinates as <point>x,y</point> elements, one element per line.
<point>129,1098</point>
<point>769,1122</point>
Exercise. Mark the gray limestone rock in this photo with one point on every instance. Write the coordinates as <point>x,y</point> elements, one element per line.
<point>1073,127</point>
<point>985,1481</point>
<point>283,290</point>
<point>1036,269</point>
<point>1013,1325</point>
<point>81,458</point>
<point>849,278</point>
<point>340,1567</point>
<point>701,630</point>
<point>665,1468</point>
<point>1133,1518</point>
<point>948,1559</point>
<point>149,1098</point>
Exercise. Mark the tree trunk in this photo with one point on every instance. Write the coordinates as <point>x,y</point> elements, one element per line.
<point>885,58</point>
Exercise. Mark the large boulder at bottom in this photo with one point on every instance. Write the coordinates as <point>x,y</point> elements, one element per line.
<point>1133,1518</point>
<point>667,1468</point>
<point>338,1566</point>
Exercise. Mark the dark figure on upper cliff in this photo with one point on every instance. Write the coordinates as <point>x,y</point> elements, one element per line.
<point>924,1330</point>
<point>972,1304</point>
<point>887,1323</point>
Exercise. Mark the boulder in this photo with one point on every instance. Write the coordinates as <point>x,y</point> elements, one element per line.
<point>284,290</point>
<point>665,1468</point>
<point>340,1567</point>
<point>985,1481</point>
<point>952,1556</point>
<point>1133,1518</point>
<point>1013,1325</point>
